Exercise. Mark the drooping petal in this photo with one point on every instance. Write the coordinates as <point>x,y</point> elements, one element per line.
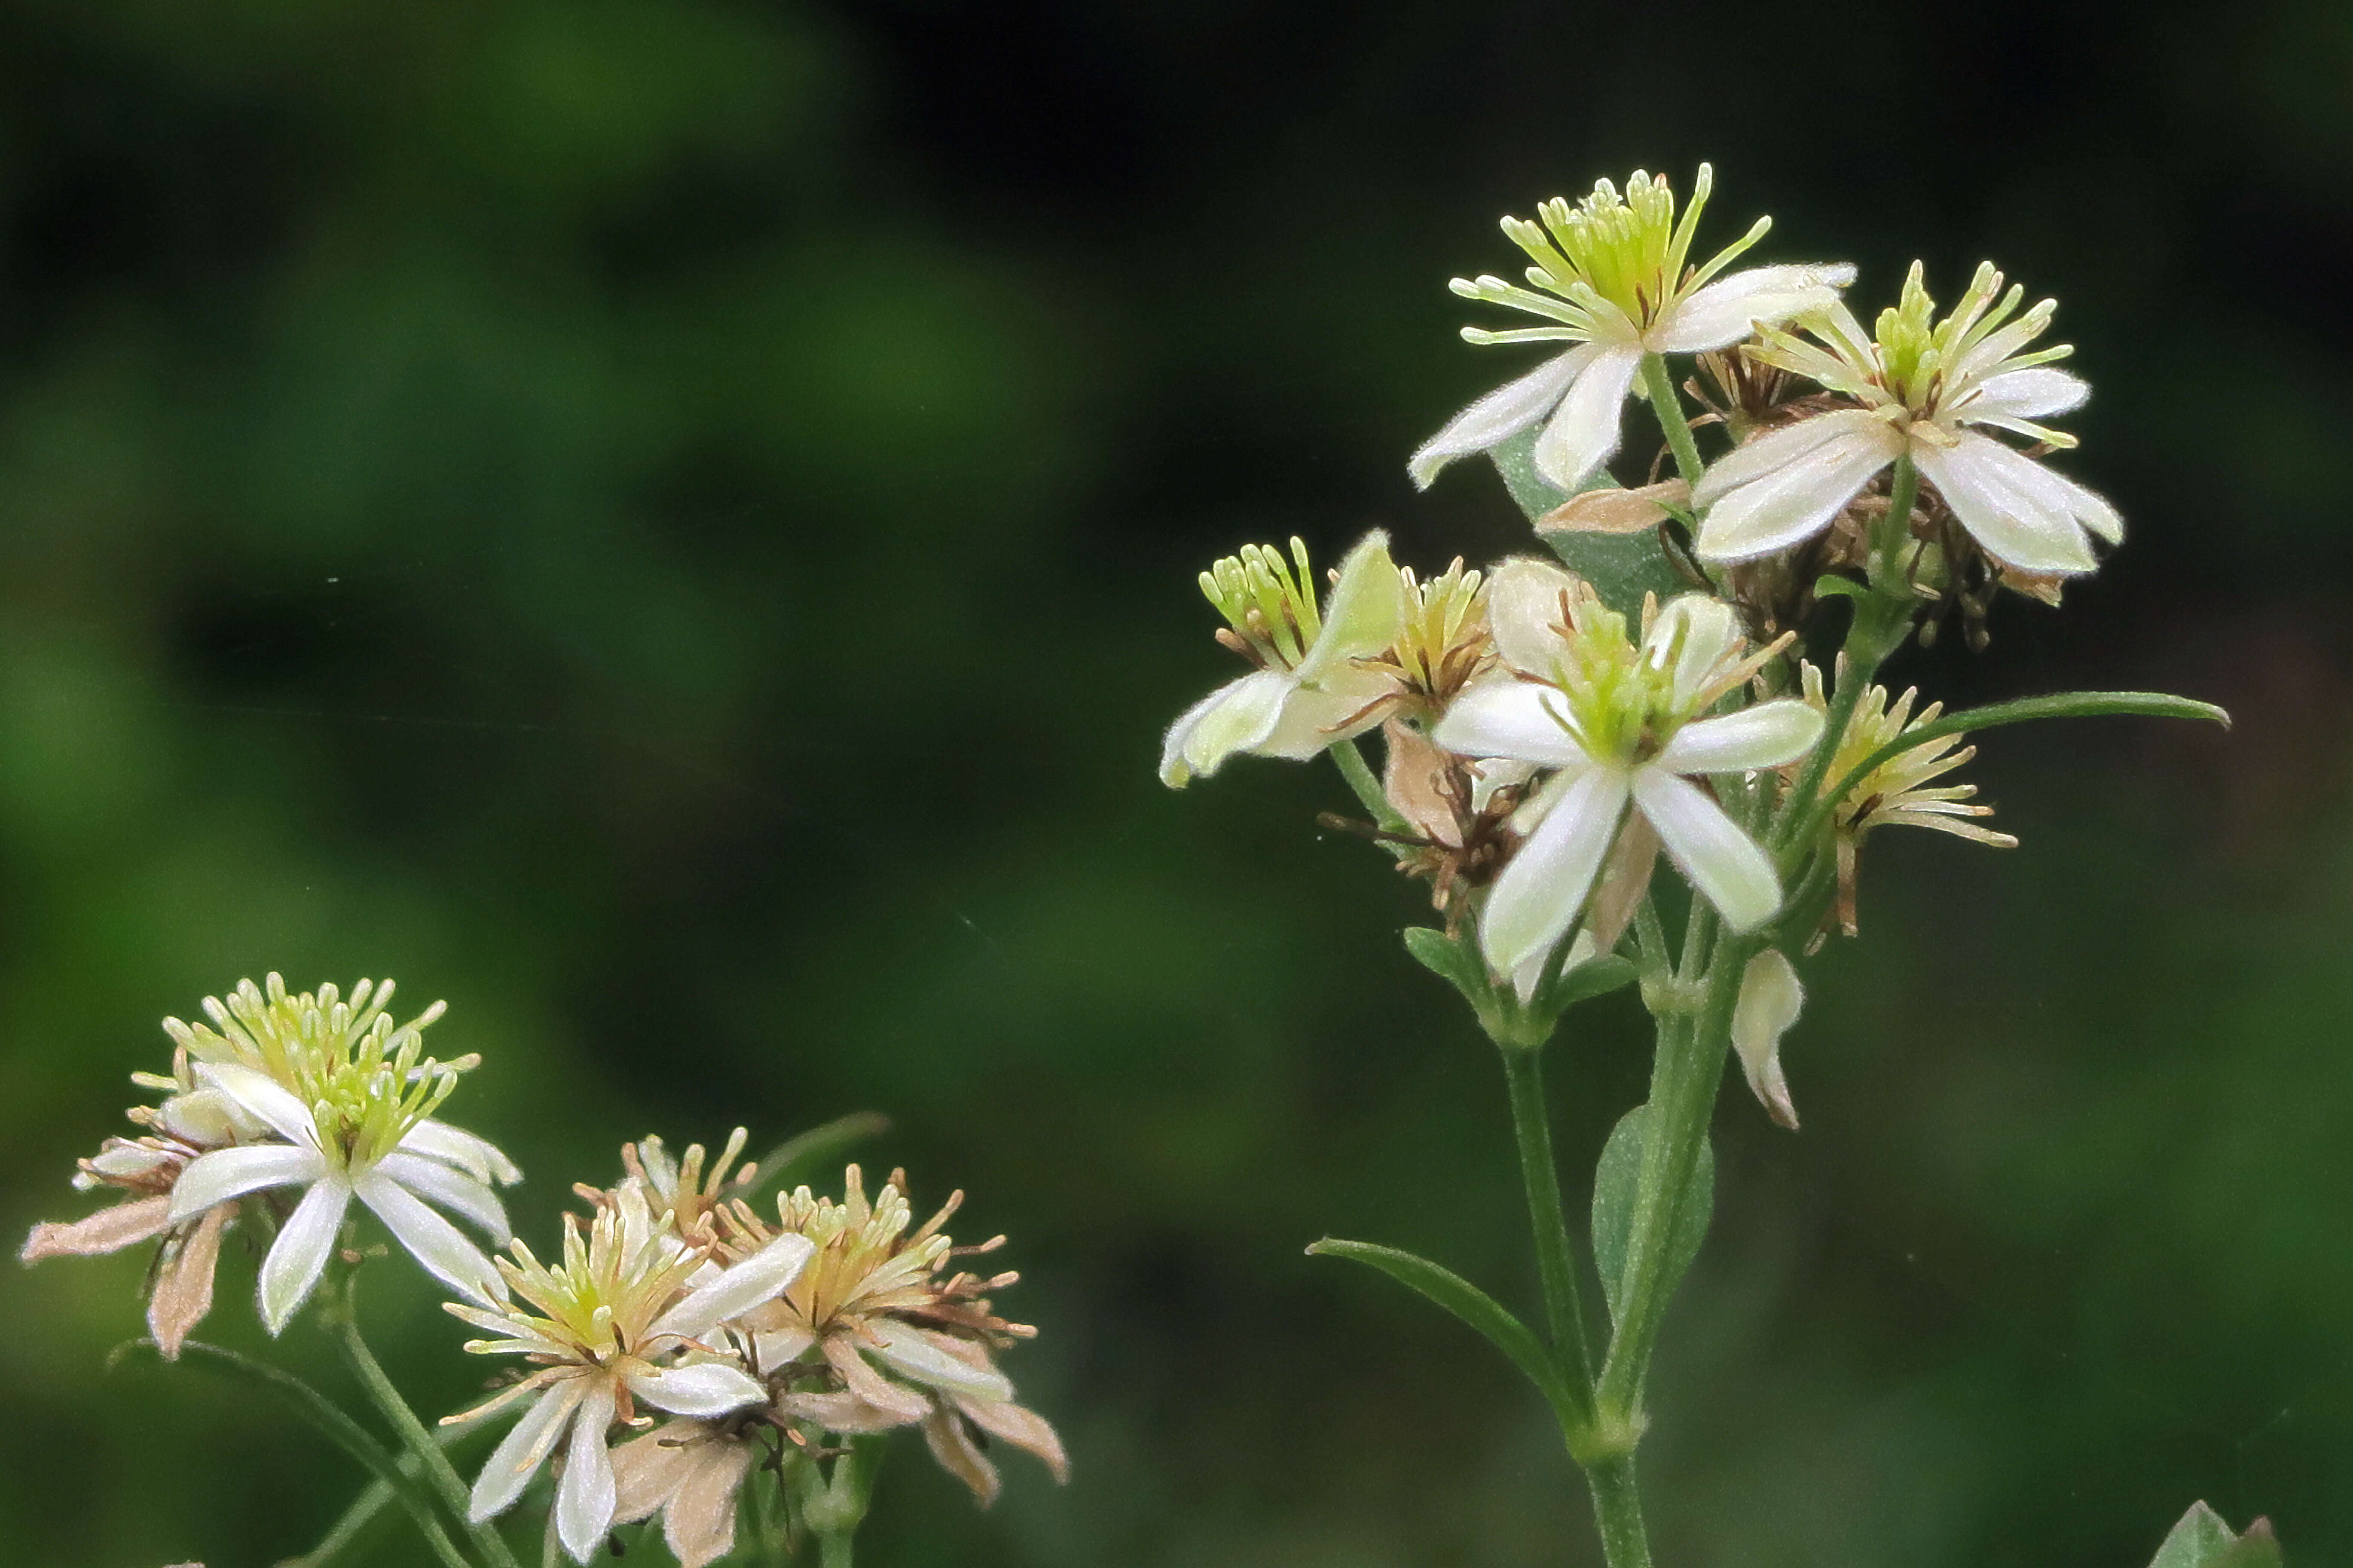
<point>841,1412</point>
<point>585,1497</point>
<point>1727,309</point>
<point>1535,900</point>
<point>649,1470</point>
<point>1234,717</point>
<point>918,1357</point>
<point>433,1241</point>
<point>1500,416</point>
<point>227,1173</point>
<point>1795,500</point>
<point>2016,528</point>
<point>706,1388</point>
<point>2038,391</point>
<point>738,1290</point>
<point>300,1254</point>
<point>951,1443</point>
<point>184,1289</point>
<point>698,1525</point>
<point>453,1189</point>
<point>869,1386</point>
<point>1770,1001</point>
<point>263,1096</point>
<point>2055,491</point>
<point>1584,431</point>
<point>1025,1429</point>
<point>1365,613</point>
<point>524,1449</point>
<point>1728,866</point>
<point>1524,613</point>
<point>1763,736</point>
<point>476,1156</point>
<point>1511,719</point>
<point>110,1229</point>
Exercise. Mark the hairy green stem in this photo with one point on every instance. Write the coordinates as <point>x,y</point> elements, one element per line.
<point>1668,406</point>
<point>1556,1255</point>
<point>413,1434</point>
<point>1618,1512</point>
<point>1361,779</point>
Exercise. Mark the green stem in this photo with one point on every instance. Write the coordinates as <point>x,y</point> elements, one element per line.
<point>1618,1512</point>
<point>833,1549</point>
<point>1555,1257</point>
<point>1361,779</point>
<point>1668,406</point>
<point>1887,572</point>
<point>413,1434</point>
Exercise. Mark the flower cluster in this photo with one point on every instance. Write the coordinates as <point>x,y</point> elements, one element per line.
<point>281,1093</point>
<point>677,1296</point>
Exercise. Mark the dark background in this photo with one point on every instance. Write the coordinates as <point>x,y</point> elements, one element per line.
<point>671,525</point>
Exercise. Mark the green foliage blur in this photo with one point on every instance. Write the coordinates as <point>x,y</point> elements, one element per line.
<point>671,524</point>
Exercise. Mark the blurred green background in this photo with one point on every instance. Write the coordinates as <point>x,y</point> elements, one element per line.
<point>671,524</point>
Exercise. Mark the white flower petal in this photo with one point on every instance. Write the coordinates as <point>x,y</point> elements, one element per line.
<point>1501,415</point>
<point>584,1497</point>
<point>433,1241</point>
<point>1536,898</point>
<point>1709,848</point>
<point>1770,1001</point>
<point>1525,978</point>
<point>1770,453</point>
<point>524,1449</point>
<point>735,1290</point>
<point>453,1189</point>
<point>698,1525</point>
<point>203,1118</point>
<point>1697,632</point>
<point>1583,432</point>
<point>909,1351</point>
<point>227,1173</point>
<point>263,1096</point>
<point>1366,611</point>
<point>1511,719</point>
<point>1524,609</point>
<point>1234,717</point>
<point>2019,529</point>
<point>705,1388</point>
<point>2038,391</point>
<point>1343,705</point>
<point>1796,499</point>
<point>476,1156</point>
<point>2041,483</point>
<point>1725,311</point>
<point>1763,736</point>
<point>647,1470</point>
<point>300,1254</point>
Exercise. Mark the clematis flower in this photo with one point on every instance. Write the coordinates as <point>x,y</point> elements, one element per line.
<point>344,1100</point>
<point>1928,389</point>
<point>180,1290</point>
<point>1611,275</point>
<point>1900,791</point>
<point>895,1343</point>
<point>609,1326</point>
<point>1618,722</point>
<point>1315,684</point>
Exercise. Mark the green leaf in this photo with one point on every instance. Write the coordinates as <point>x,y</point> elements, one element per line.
<point>333,1424</point>
<point>2202,1541</point>
<point>1471,1305</point>
<point>1622,568</point>
<point>1596,977</point>
<point>1616,1180</point>
<point>1449,958</point>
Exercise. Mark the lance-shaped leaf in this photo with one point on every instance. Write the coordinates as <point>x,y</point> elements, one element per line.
<point>1617,1180</point>
<point>1472,1306</point>
<point>1452,959</point>
<point>2202,1541</point>
<point>1622,567</point>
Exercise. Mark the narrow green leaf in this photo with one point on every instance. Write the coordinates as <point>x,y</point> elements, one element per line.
<point>1452,959</point>
<point>331,1422</point>
<point>1469,1303</point>
<point>1596,977</point>
<point>1622,568</point>
<point>1615,1182</point>
<point>798,1155</point>
<point>2202,1541</point>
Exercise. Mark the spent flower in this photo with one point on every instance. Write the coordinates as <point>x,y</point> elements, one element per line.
<point>1611,275</point>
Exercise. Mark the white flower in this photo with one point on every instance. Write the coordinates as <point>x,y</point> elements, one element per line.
<point>1316,683</point>
<point>352,1098</point>
<point>1768,1003</point>
<point>1616,283</point>
<point>1619,725</point>
<point>625,1298</point>
<point>1923,388</point>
